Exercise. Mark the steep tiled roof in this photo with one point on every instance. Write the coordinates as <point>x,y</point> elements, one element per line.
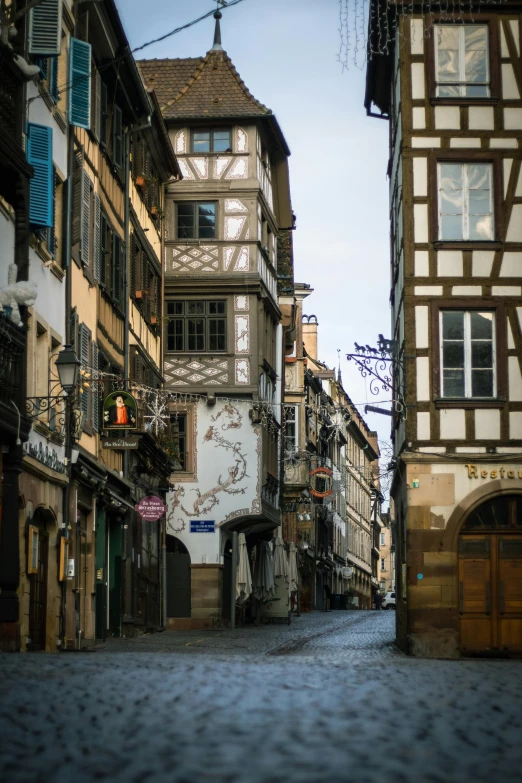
<point>206,86</point>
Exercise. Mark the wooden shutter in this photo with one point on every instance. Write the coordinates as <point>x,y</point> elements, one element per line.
<point>117,265</point>
<point>43,64</point>
<point>53,79</point>
<point>97,109</point>
<point>45,28</point>
<point>104,229</point>
<point>97,238</point>
<point>51,234</point>
<point>73,325</point>
<point>40,156</point>
<point>80,84</point>
<point>85,238</point>
<point>77,196</point>
<point>103,114</point>
<point>117,138</point>
<point>95,398</point>
<point>85,358</point>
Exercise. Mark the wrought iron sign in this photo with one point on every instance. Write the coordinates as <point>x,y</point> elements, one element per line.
<point>384,366</point>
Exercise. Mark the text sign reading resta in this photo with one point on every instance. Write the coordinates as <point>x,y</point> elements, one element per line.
<point>202,526</point>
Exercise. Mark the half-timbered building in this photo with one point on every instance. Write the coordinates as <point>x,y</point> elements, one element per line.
<point>222,330</point>
<point>450,84</point>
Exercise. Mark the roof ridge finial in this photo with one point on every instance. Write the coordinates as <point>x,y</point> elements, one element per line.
<point>216,46</point>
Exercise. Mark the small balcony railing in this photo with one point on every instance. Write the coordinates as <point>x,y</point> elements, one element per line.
<point>12,371</point>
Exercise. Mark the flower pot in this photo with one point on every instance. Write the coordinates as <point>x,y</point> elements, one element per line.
<point>140,181</point>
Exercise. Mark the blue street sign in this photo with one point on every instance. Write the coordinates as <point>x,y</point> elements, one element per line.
<point>202,526</point>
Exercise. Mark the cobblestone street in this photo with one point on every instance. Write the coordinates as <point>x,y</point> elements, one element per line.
<point>326,697</point>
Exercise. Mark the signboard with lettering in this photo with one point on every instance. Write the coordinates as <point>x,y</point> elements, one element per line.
<point>46,455</point>
<point>151,508</point>
<point>132,442</point>
<point>119,411</point>
<point>202,526</point>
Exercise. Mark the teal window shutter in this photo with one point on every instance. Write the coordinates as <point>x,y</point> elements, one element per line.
<point>117,139</point>
<point>80,83</point>
<point>53,78</point>
<point>95,399</point>
<point>40,156</point>
<point>45,28</point>
<point>42,63</point>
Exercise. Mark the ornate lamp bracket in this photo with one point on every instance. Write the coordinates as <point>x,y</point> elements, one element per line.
<point>384,366</point>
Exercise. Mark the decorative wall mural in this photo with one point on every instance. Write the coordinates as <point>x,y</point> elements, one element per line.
<point>241,302</point>
<point>238,170</point>
<point>180,142</point>
<point>242,371</point>
<point>190,259</point>
<point>234,227</point>
<point>221,164</point>
<point>242,264</point>
<point>185,169</point>
<point>201,167</point>
<point>242,333</point>
<point>241,140</point>
<point>236,471</point>
<point>234,205</point>
<point>228,252</point>
<point>184,371</point>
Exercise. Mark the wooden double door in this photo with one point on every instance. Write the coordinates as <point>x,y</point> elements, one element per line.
<point>490,592</point>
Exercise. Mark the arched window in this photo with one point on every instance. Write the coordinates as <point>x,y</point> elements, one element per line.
<point>502,513</point>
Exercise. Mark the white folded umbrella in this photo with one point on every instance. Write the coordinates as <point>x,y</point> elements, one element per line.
<point>243,575</point>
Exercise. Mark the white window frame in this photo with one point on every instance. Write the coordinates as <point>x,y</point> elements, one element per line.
<point>383,539</point>
<point>295,422</point>
<point>462,84</point>
<point>465,200</point>
<point>467,353</point>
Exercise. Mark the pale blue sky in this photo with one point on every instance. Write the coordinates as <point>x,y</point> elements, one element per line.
<point>285,50</point>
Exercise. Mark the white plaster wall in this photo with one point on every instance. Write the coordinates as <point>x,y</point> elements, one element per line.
<point>422,265</point>
<point>40,114</point>
<point>514,233</point>
<point>481,263</point>
<point>515,379</point>
<point>50,302</point>
<point>417,81</point>
<point>466,290</point>
<point>512,119</point>
<point>509,84</point>
<point>515,425</point>
<point>417,36</point>
<point>7,243</point>
<point>421,326</point>
<point>452,424</point>
<point>447,117</point>
<point>423,426</point>
<point>510,339</point>
<point>420,215</point>
<point>420,177</point>
<point>481,118</point>
<point>423,378</point>
<point>449,263</point>
<point>487,424</point>
<point>418,118</point>
<point>227,450</point>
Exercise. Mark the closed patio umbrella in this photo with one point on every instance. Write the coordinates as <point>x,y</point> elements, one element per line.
<point>264,573</point>
<point>292,567</point>
<point>280,559</point>
<point>243,575</point>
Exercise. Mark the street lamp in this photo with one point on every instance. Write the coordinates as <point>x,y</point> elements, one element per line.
<point>68,367</point>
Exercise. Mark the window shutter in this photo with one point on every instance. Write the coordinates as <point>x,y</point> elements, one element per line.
<point>80,84</point>
<point>95,398</point>
<point>133,268</point>
<point>77,196</point>
<point>97,106</point>
<point>103,113</point>
<point>45,28</point>
<point>85,239</point>
<point>117,257</point>
<point>117,140</point>
<point>73,323</point>
<point>85,339</point>
<point>97,238</point>
<point>51,237</point>
<point>53,79</point>
<point>42,63</point>
<point>103,250</point>
<point>40,156</point>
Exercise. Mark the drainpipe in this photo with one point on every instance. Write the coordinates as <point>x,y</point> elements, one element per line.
<point>234,578</point>
<point>164,572</point>
<point>126,273</point>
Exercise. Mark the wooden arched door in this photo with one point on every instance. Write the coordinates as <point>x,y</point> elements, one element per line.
<point>178,579</point>
<point>490,577</point>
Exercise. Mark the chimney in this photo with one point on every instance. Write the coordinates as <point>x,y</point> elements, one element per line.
<point>310,325</point>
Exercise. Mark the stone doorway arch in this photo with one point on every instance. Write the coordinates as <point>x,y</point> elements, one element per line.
<point>179,598</point>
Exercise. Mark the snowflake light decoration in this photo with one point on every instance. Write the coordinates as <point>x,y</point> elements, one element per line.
<point>156,419</point>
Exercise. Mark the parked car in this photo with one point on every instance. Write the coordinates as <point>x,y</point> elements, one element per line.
<point>388,601</point>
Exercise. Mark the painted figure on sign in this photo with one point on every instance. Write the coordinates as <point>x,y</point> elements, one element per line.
<point>119,411</point>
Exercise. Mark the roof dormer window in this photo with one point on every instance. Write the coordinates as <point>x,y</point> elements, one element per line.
<point>212,140</point>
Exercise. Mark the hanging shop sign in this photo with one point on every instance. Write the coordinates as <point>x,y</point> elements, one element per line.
<point>45,455</point>
<point>202,526</point>
<point>151,508</point>
<point>321,481</point>
<point>131,442</point>
<point>120,412</point>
